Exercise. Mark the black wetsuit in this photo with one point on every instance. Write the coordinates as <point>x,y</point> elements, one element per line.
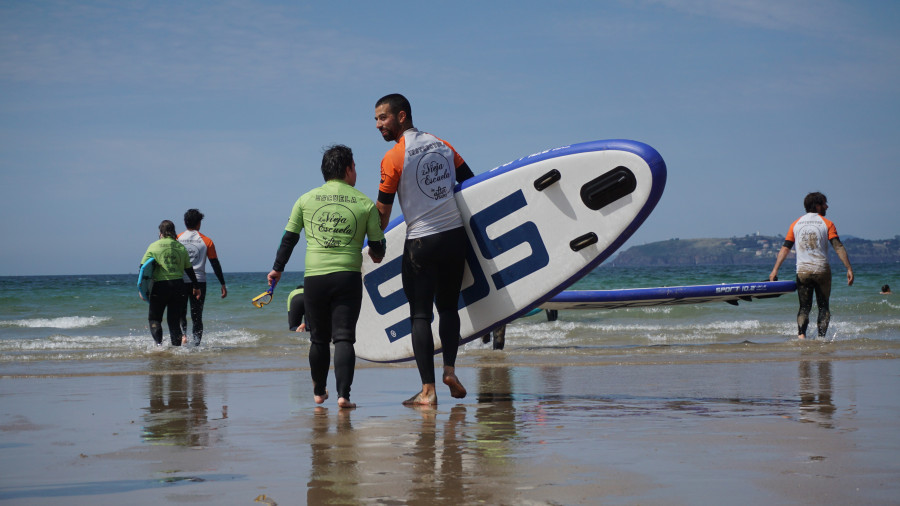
<point>332,308</point>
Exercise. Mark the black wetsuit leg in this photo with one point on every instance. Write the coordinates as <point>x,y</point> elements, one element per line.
<point>332,304</point>
<point>432,270</point>
<point>173,311</point>
<point>823,294</point>
<point>805,290</point>
<point>168,297</point>
<point>196,311</point>
<point>157,308</point>
<point>818,284</point>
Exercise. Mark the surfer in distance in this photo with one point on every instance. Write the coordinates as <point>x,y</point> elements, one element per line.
<point>200,248</point>
<point>811,233</point>
<point>168,292</point>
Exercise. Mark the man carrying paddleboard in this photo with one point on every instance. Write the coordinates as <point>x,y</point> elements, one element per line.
<point>811,233</point>
<point>422,170</point>
<point>337,218</point>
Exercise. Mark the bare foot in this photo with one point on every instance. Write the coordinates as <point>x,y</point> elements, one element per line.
<point>457,391</point>
<point>422,399</point>
<point>345,403</point>
<point>801,336</point>
<point>184,340</point>
<point>321,398</point>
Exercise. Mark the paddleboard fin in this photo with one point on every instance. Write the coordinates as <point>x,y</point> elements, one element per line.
<point>583,241</point>
<point>543,182</point>
<point>608,188</point>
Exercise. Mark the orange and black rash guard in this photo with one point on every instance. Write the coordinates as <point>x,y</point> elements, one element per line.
<point>422,171</point>
<point>200,248</point>
<point>811,234</point>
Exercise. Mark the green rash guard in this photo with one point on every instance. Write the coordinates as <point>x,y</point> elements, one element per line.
<point>290,297</point>
<point>171,259</point>
<point>337,218</point>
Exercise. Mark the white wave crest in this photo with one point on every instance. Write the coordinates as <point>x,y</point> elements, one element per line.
<point>62,322</point>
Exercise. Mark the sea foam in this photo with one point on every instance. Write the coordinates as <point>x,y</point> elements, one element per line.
<point>62,322</point>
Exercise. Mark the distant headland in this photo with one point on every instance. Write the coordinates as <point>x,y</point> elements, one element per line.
<point>747,250</point>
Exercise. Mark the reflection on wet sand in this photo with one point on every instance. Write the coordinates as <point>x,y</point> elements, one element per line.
<point>334,475</point>
<point>496,419</point>
<point>441,455</point>
<point>177,411</point>
<point>816,404</point>
<point>438,469</point>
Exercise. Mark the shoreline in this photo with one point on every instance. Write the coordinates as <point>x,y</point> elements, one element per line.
<point>815,429</point>
<point>484,360</point>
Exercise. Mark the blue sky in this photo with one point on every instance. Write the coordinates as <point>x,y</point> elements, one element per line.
<point>115,115</point>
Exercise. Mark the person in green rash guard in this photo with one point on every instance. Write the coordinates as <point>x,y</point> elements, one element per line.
<point>296,310</point>
<point>337,219</point>
<point>172,261</point>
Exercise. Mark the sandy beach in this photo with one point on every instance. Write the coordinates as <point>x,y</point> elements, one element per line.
<point>814,430</point>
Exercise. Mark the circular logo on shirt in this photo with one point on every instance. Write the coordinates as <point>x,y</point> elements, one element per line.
<point>333,226</point>
<point>434,176</point>
<point>193,252</point>
<point>808,238</point>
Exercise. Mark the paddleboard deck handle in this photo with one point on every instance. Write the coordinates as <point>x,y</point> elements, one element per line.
<point>544,182</point>
<point>608,188</point>
<point>581,242</point>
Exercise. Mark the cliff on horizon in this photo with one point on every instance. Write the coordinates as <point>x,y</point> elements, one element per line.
<point>747,250</point>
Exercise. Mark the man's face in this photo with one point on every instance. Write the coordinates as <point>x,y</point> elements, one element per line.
<point>387,123</point>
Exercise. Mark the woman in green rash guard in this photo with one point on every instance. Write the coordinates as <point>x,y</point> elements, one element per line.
<point>336,218</point>
<point>168,293</point>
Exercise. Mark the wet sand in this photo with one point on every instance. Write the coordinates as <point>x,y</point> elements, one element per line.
<point>813,430</point>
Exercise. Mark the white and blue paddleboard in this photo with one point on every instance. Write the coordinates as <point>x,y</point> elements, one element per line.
<point>669,295</point>
<point>145,279</point>
<point>535,226</point>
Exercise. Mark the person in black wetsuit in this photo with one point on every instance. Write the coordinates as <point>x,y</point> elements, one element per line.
<point>168,291</point>
<point>200,248</point>
<point>422,170</point>
<point>296,310</point>
<point>336,218</point>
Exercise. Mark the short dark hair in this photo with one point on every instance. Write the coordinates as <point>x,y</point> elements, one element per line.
<point>886,288</point>
<point>812,200</point>
<point>167,229</point>
<point>397,103</point>
<point>335,161</point>
<point>192,218</point>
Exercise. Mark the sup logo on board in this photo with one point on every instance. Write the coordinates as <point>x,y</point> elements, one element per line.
<point>488,247</point>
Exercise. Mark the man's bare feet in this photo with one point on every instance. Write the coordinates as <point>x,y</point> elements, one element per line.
<point>345,403</point>
<point>321,398</point>
<point>801,336</point>
<point>184,340</point>
<point>427,397</point>
<point>457,391</point>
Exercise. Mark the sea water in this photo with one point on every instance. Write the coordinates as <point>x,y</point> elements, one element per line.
<point>90,324</point>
